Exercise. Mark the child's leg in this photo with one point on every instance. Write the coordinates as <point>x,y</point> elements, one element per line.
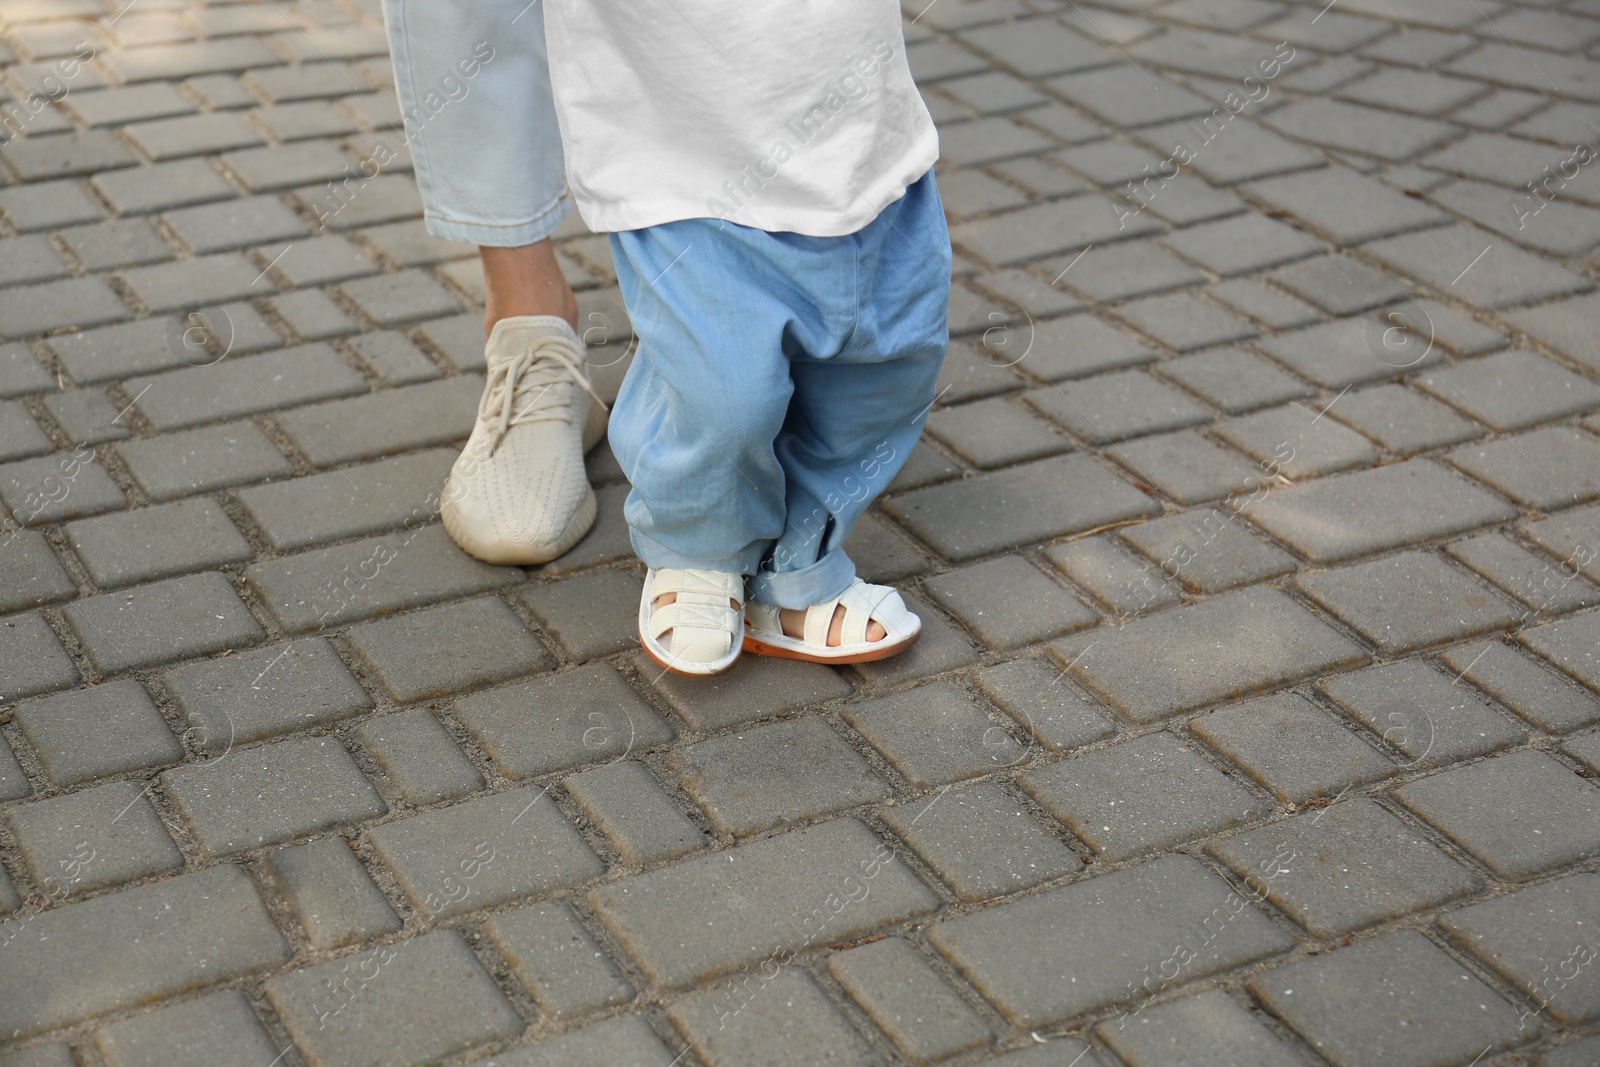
<point>856,414</point>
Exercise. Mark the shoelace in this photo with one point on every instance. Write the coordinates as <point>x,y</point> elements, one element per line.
<point>525,387</point>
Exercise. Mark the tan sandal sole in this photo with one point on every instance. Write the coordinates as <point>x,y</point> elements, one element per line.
<point>757,647</point>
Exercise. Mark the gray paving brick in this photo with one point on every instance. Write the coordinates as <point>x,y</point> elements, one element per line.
<point>1572,1054</point>
<point>116,243</point>
<point>192,135</point>
<point>1400,1000</point>
<point>66,155</point>
<point>20,435</point>
<point>395,360</point>
<point>1048,229</point>
<point>330,895</point>
<point>1347,515</point>
<point>1348,206</point>
<point>770,897</point>
<point>1125,97</point>
<point>587,715</point>
<point>588,615</point>
<point>1518,813</point>
<point>1560,325</point>
<point>774,775</point>
<point>203,280</point>
<point>156,542</point>
<point>324,259</point>
<point>1241,245</point>
<point>1207,553</point>
<point>1534,938</point>
<point>86,416</point>
<point>417,756</point>
<point>99,355</point>
<point>235,223</point>
<point>1565,536</point>
<point>170,620</point>
<point>1431,719</point>
<point>45,205</point>
<point>1337,354</point>
<point>196,929</point>
<point>1293,437</point>
<point>173,61</point>
<point>793,1024</point>
<point>1293,748</point>
<point>619,1039</point>
<point>1570,645</point>
<point>1079,345</point>
<point>1125,270</point>
<point>911,1003</point>
<point>1052,711</point>
<point>330,586</point>
<point>1037,48</point>
<point>448,649</point>
<point>981,841</point>
<point>160,186</point>
<point>1019,506</point>
<point>1087,792</point>
<point>1543,698</point>
<point>629,806</point>
<point>934,734</point>
<point>1204,653</point>
<point>65,485</point>
<point>483,852</point>
<point>401,297</point>
<point>1005,603</point>
<point>350,501</point>
<point>1402,420</point>
<point>124,104</point>
<point>13,784</point>
<point>942,647</point>
<point>385,1005</point>
<point>1184,322</point>
<point>231,388</point>
<point>20,372</point>
<point>391,420</point>
<point>30,574</point>
<point>557,960</point>
<point>31,658</point>
<point>29,310</point>
<point>1512,390</point>
<point>97,731</point>
<point>1340,284</point>
<point>1207,1029</point>
<point>29,259</point>
<point>218,1030</point>
<point>1505,277</point>
<point>1540,584</point>
<point>989,140</point>
<point>1189,467</point>
<point>271,794</point>
<point>1103,931</point>
<point>1233,379</point>
<point>1263,303</point>
<point>996,432</point>
<point>102,836</point>
<point>1408,601</point>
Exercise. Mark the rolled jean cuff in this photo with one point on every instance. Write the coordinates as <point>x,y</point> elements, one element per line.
<point>818,583</point>
<point>657,556</point>
<point>497,235</point>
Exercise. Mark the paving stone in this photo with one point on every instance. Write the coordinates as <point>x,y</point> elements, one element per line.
<point>1292,747</point>
<point>161,186</point>
<point>385,1005</point>
<point>483,852</point>
<point>1102,931</point>
<point>1572,1054</point>
<point>156,542</point>
<point>1543,698</point>
<point>1512,390</point>
<point>1340,284</point>
<point>235,223</point>
<point>260,693</point>
<point>1086,791</point>
<point>20,435</point>
<point>1207,1029</point>
<point>981,841</point>
<point>1051,710</point>
<point>1540,584</point>
<point>1127,97</point>
<point>619,1039</point>
<point>350,501</point>
<point>218,1030</point>
<point>64,485</point>
<point>395,360</point>
<point>1049,229</point>
<point>1028,292</point>
<point>124,104</point>
<point>629,806</point>
<point>116,243</point>
<point>1400,1000</point>
<point>1565,536</point>
<point>1241,245</point>
<point>1408,601</point>
<point>585,716</point>
<point>934,734</point>
<point>1346,205</point>
<point>193,930</point>
<point>1036,48</point>
<point>1233,379</point>
<point>774,775</point>
<point>1569,644</point>
<point>170,620</point>
<point>31,658</point>
<point>556,960</point>
<point>448,649</point>
<point>1189,467</point>
<point>1209,552</point>
<point>30,574</point>
<point>1518,813</point>
<point>271,794</point>
<point>942,647</point>
<point>66,155</point>
<point>1401,419</point>
<point>174,61</point>
<point>119,351</point>
<point>97,731</point>
<point>391,420</point>
<point>1349,515</point>
<point>1294,437</point>
<point>1261,302</point>
<point>989,140</point>
<point>1079,345</point>
<point>1505,277</point>
<point>86,416</point>
<point>404,296</point>
<point>1018,506</point>
<point>36,309</point>
<point>992,433</point>
<point>330,894</point>
<point>1561,325</point>
<point>1184,322</point>
<point>792,1024</point>
<point>192,135</point>
<point>29,259</point>
<point>20,372</point>
<point>1428,718</point>
<point>1346,352</point>
<point>1005,603</point>
<point>910,1001</point>
<point>275,167</point>
<point>330,586</point>
<point>1205,653</point>
<point>102,836</point>
<point>588,615</point>
<point>765,898</point>
<point>1533,938</point>
<point>1129,269</point>
<point>268,382</point>
<point>417,756</point>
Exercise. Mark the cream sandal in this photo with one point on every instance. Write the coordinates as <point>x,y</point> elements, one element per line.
<point>707,633</point>
<point>863,603</point>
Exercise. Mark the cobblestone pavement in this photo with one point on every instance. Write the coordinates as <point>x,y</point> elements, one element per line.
<point>1252,530</point>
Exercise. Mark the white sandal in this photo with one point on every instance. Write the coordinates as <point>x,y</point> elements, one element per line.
<point>862,603</point>
<point>706,632</point>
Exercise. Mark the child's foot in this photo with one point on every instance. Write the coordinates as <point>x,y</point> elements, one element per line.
<point>864,623</point>
<point>689,620</point>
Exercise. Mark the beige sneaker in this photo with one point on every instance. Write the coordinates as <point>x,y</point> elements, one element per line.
<point>518,493</point>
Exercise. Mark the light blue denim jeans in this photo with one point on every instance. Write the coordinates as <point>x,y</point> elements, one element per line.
<point>474,85</point>
<point>779,384</point>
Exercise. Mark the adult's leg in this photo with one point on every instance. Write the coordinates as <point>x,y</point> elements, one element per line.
<point>525,280</point>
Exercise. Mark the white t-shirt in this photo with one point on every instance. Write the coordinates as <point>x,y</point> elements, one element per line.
<point>796,116</point>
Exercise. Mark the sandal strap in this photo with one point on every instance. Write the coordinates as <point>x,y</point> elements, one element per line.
<point>862,604</point>
<point>701,613</point>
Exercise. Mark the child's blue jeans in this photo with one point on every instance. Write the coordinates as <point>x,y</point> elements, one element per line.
<point>780,383</point>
